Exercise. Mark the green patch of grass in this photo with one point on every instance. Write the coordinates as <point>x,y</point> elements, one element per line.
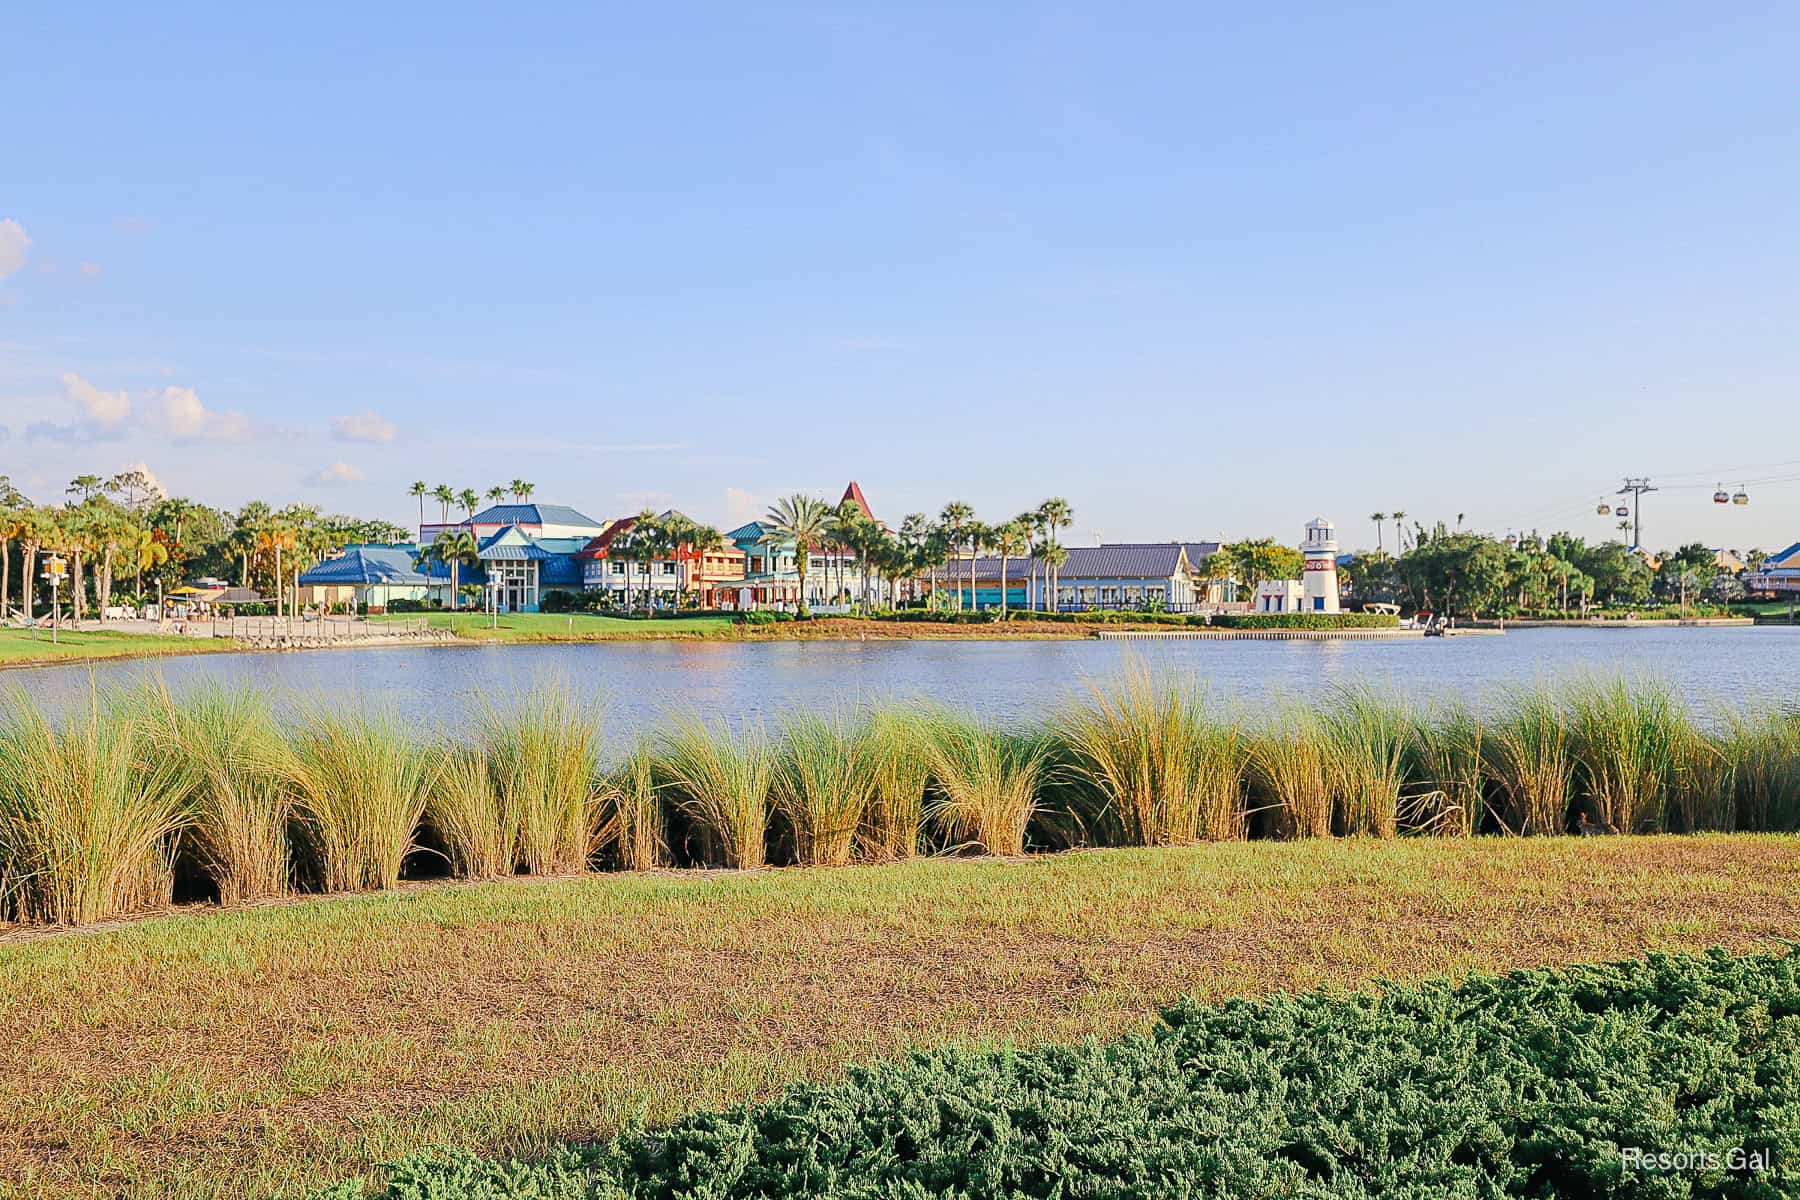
<point>22,646</point>
<point>236,1053</point>
<point>549,627</point>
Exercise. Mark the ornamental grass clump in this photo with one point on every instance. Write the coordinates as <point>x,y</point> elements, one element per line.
<point>1764,750</point>
<point>1291,766</point>
<point>631,818</point>
<point>1446,790</point>
<point>463,809</point>
<point>90,812</point>
<point>721,779</point>
<point>541,754</point>
<point>1627,739</point>
<point>1702,785</point>
<point>1154,763</point>
<point>822,782</point>
<point>239,806</point>
<point>984,782</point>
<point>1528,757</point>
<point>1367,736</point>
<point>359,789</point>
<point>899,766</point>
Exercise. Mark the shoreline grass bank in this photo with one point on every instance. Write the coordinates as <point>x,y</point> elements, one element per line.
<point>289,1046</point>
<point>139,796</point>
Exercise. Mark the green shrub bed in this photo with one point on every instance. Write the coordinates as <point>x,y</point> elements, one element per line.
<point>1541,1083</point>
<point>1306,621</point>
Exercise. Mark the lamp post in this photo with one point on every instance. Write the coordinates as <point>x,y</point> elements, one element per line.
<point>55,567</point>
<point>493,596</point>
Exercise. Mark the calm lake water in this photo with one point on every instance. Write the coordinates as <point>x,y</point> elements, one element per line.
<point>442,687</point>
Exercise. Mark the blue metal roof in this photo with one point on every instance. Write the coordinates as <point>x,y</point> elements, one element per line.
<point>531,514</point>
<point>754,531</point>
<point>367,564</point>
<point>1780,557</point>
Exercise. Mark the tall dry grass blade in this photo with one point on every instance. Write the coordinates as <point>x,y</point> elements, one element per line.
<point>1368,736</point>
<point>1764,749</point>
<point>462,806</point>
<point>541,754</point>
<point>900,768</point>
<point>1529,757</point>
<point>631,818</point>
<point>1290,760</point>
<point>1168,771</point>
<point>721,779</point>
<point>822,783</point>
<point>1626,739</point>
<point>89,812</point>
<point>240,807</point>
<point>984,782</point>
<point>1446,791</point>
<point>359,789</point>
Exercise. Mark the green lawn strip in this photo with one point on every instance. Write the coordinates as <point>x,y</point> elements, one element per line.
<point>278,1049</point>
<point>1543,1082</point>
<point>516,627</point>
<point>21,646</point>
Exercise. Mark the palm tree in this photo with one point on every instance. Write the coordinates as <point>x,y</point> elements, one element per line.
<point>454,548</point>
<point>1054,556</point>
<point>955,520</point>
<point>445,495</point>
<point>521,490</point>
<point>32,528</point>
<point>469,498</point>
<point>419,490</point>
<point>496,494</point>
<point>804,521</point>
<point>276,535</point>
<point>845,530</point>
<point>1057,516</point>
<point>1378,518</point>
<point>980,537</point>
<point>643,547</point>
<point>701,541</point>
<point>1011,540</point>
<point>914,529</point>
<point>85,486</point>
<point>1399,531</point>
<point>12,522</point>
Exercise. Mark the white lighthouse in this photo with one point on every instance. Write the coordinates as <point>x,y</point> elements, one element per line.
<point>1319,586</point>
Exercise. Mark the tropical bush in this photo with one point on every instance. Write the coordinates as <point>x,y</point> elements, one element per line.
<point>1305,620</point>
<point>1549,1082</point>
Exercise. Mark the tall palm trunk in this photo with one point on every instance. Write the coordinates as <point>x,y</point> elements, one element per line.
<point>278,581</point>
<point>28,552</point>
<point>974,553</point>
<point>5,575</point>
<point>75,593</point>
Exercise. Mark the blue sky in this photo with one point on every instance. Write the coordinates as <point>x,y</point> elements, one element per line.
<point>1200,270</point>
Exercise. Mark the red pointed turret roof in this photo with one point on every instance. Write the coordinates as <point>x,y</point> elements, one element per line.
<point>854,492</point>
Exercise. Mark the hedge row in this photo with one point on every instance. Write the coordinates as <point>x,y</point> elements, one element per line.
<point>1541,1083</point>
<point>1189,620</point>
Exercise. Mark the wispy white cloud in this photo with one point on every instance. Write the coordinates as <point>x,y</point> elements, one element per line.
<point>177,413</point>
<point>98,413</point>
<point>332,476</point>
<point>14,245</point>
<point>365,426</point>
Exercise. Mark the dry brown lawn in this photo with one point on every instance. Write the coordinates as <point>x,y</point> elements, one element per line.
<point>238,1053</point>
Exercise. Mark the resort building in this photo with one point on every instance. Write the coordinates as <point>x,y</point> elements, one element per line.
<point>1780,573</point>
<point>533,520</point>
<point>523,560</point>
<point>607,566</point>
<point>1120,575</point>
<point>373,576</point>
<point>771,577</point>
